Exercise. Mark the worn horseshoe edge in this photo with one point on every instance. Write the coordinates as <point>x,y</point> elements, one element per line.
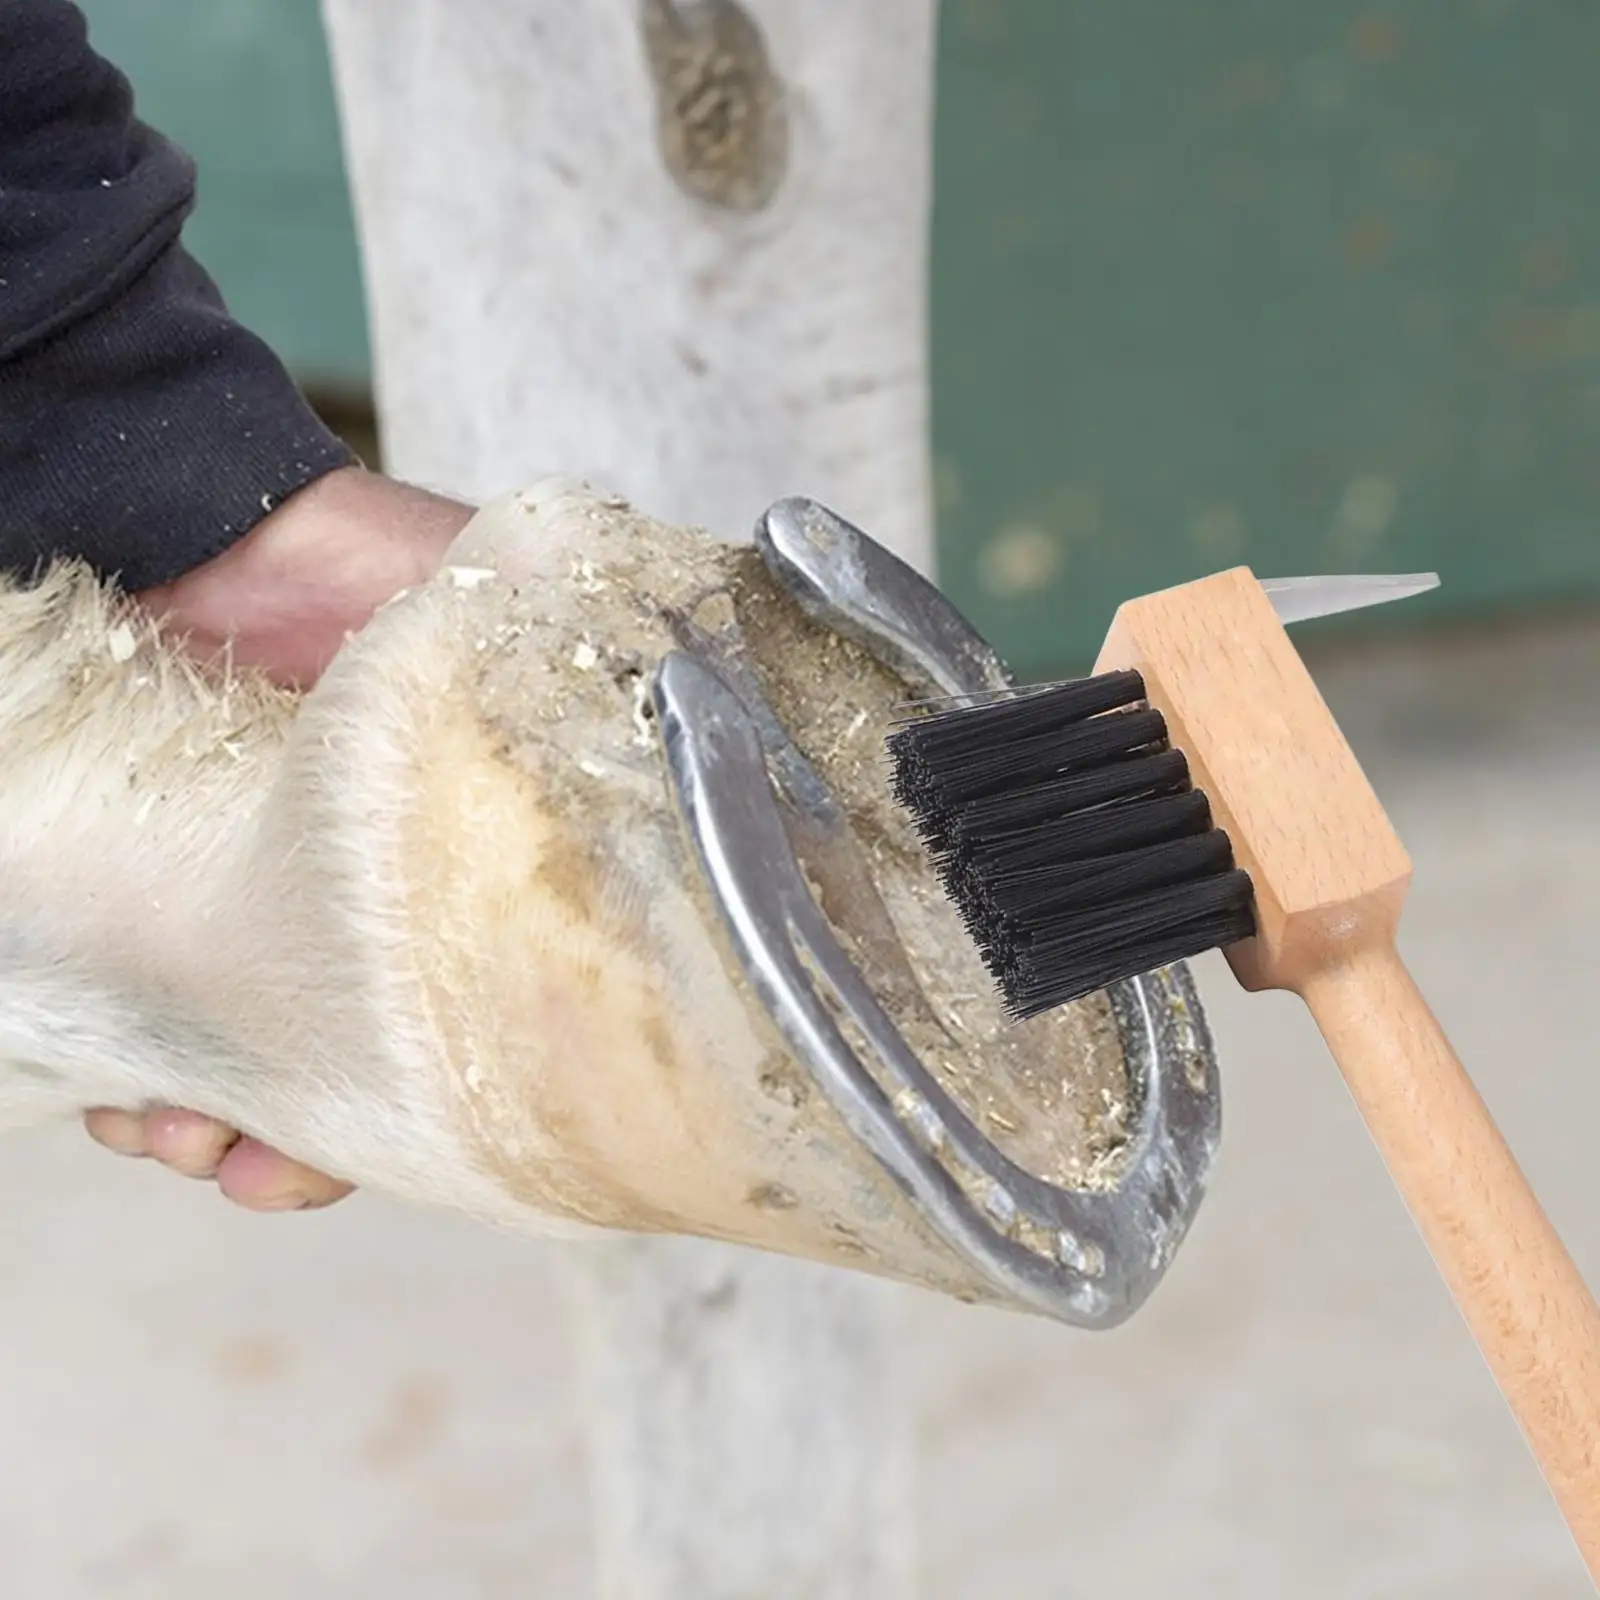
<point>1086,1257</point>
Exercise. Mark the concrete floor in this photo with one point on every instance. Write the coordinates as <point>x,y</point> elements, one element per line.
<point>376,1402</point>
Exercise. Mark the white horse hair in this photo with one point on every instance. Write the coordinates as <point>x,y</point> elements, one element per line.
<point>427,927</point>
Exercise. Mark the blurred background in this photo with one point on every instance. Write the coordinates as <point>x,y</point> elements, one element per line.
<point>1314,287</point>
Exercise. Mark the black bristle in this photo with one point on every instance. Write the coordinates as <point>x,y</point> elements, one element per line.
<point>1068,834</point>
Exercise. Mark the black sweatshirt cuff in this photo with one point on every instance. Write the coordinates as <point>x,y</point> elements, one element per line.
<point>141,428</point>
<point>150,436</point>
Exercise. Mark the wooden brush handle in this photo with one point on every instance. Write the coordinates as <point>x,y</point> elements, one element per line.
<point>1526,1303</point>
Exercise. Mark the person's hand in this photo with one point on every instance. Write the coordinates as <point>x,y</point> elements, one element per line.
<point>284,597</point>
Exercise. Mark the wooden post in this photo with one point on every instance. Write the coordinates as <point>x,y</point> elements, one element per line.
<point>679,248</point>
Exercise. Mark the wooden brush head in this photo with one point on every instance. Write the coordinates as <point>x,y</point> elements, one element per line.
<point>1328,869</point>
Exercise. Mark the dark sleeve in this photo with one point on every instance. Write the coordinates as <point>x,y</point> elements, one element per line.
<point>141,428</point>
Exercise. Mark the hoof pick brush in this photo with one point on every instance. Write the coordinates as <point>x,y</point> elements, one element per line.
<point>1195,793</point>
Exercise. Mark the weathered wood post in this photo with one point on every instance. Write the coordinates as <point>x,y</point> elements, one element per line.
<point>680,248</point>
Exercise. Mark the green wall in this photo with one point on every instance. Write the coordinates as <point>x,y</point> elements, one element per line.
<point>1312,286</point>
